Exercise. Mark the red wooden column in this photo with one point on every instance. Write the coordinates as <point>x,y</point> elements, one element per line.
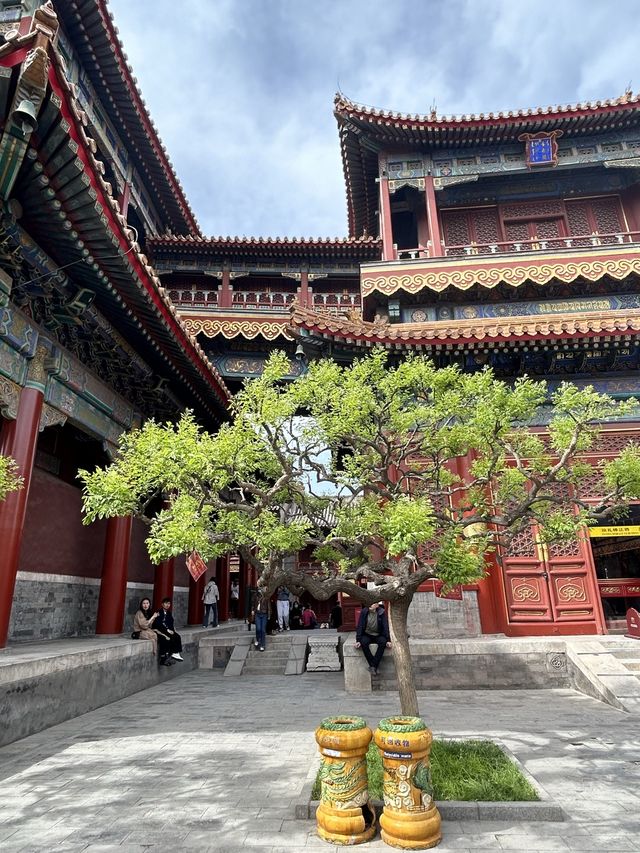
<point>18,439</point>
<point>435,234</point>
<point>488,587</point>
<point>163,582</point>
<point>222,579</point>
<point>226,294</point>
<point>242,582</point>
<point>386,229</point>
<point>113,581</point>
<point>305,301</point>
<point>195,613</point>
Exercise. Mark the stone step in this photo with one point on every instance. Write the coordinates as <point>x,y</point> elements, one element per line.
<point>272,657</point>
<point>262,670</point>
<point>633,665</point>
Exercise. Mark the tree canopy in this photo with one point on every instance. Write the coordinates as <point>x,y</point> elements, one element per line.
<point>357,463</point>
<point>361,464</point>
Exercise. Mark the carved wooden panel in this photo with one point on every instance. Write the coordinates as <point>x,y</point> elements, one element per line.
<point>579,222</point>
<point>606,212</point>
<point>486,226</point>
<point>517,232</point>
<point>533,209</point>
<point>610,443</point>
<point>455,225</point>
<point>522,544</point>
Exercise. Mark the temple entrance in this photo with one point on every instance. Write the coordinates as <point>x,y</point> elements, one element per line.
<point>617,562</point>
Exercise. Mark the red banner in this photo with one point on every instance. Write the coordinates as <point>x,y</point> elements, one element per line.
<point>454,593</point>
<point>196,565</point>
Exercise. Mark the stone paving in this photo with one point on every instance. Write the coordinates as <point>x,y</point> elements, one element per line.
<point>206,763</point>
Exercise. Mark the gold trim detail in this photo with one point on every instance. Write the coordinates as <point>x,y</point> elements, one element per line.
<point>229,329</point>
<point>464,274</point>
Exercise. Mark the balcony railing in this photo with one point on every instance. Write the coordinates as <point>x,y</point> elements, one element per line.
<point>538,244</point>
<point>337,303</point>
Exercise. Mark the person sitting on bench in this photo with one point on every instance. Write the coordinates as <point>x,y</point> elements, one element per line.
<point>143,624</point>
<point>169,640</point>
<point>373,627</point>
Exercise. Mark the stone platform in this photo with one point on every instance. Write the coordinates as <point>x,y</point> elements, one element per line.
<point>45,683</point>
<point>607,668</point>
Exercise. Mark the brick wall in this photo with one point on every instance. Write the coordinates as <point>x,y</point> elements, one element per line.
<point>431,617</point>
<point>47,607</point>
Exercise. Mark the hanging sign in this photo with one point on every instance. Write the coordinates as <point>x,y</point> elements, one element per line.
<point>196,565</point>
<point>615,530</point>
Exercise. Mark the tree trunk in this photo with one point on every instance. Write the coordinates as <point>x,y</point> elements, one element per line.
<point>398,611</point>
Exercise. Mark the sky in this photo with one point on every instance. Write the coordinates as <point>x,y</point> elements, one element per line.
<point>242,91</point>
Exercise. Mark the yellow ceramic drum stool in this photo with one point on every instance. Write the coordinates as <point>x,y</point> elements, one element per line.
<point>344,815</point>
<point>410,819</point>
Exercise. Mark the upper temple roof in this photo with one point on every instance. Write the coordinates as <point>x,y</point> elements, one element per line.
<point>366,131</point>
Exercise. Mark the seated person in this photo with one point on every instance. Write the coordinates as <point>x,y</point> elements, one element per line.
<point>373,627</point>
<point>309,619</point>
<point>169,641</point>
<point>143,623</point>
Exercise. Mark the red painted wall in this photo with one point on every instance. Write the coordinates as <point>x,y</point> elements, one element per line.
<point>54,538</point>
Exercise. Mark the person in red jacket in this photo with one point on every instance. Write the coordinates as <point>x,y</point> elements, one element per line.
<point>309,619</point>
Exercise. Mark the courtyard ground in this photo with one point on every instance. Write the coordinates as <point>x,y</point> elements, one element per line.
<point>207,763</point>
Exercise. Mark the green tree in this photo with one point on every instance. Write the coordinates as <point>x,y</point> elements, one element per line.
<point>358,463</point>
<point>9,478</point>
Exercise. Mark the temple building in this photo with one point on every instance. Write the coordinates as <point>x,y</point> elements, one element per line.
<point>508,239</point>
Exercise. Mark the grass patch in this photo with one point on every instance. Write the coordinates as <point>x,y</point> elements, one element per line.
<point>460,770</point>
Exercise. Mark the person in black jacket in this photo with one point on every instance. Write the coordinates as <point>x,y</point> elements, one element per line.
<point>373,627</point>
<point>169,641</point>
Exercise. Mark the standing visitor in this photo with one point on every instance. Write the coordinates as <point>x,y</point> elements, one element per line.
<point>210,597</point>
<point>260,607</point>
<point>282,604</point>
<point>170,642</point>
<point>234,596</point>
<point>373,627</point>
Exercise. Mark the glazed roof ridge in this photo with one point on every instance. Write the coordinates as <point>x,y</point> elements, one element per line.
<point>479,329</point>
<point>130,81</point>
<point>344,104</point>
<point>268,241</point>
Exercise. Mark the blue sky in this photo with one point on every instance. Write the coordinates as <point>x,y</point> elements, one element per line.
<point>242,90</point>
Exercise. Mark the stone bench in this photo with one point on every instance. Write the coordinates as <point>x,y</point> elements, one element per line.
<point>357,678</point>
<point>42,684</point>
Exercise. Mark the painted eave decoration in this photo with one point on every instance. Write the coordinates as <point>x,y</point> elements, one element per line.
<point>233,327</point>
<point>540,268</point>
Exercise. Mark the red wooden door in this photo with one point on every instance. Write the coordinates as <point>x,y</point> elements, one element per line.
<point>572,586</point>
<point>549,583</point>
<point>526,580</point>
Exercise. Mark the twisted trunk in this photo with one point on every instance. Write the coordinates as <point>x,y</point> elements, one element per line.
<point>398,612</point>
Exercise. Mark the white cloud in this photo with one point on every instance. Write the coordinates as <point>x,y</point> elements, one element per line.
<point>242,90</point>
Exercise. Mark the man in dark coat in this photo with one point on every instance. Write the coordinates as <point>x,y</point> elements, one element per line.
<point>373,627</point>
<point>169,641</point>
